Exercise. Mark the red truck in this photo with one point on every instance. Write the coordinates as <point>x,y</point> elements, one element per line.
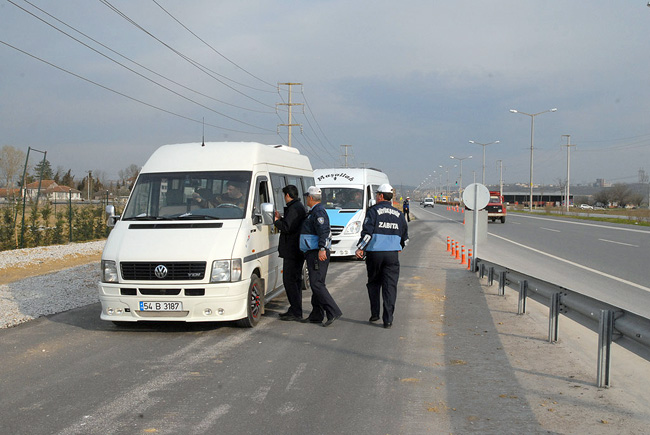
<point>496,208</point>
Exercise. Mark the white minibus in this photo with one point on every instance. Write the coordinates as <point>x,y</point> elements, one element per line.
<point>196,242</point>
<point>346,194</point>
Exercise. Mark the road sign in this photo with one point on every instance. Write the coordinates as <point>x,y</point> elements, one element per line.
<point>476,196</point>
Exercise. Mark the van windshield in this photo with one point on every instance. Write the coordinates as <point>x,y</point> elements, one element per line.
<point>189,195</point>
<point>342,198</point>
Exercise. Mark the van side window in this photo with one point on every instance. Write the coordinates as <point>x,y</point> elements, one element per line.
<point>277,183</point>
<point>261,192</point>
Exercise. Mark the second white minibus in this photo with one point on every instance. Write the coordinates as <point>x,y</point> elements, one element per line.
<point>346,194</point>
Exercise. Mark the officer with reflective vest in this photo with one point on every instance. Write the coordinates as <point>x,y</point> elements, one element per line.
<point>383,236</point>
<point>315,242</point>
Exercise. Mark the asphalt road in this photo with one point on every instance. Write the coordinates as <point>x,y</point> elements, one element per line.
<point>599,259</point>
<point>457,360</point>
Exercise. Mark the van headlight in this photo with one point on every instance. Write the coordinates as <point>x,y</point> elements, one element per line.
<point>109,271</point>
<point>352,227</point>
<point>226,270</point>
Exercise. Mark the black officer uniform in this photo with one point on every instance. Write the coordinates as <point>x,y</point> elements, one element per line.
<point>292,257</point>
<point>384,234</point>
<point>406,208</point>
<point>315,236</point>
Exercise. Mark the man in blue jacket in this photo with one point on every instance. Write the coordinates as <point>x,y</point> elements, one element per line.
<point>315,242</point>
<point>383,236</point>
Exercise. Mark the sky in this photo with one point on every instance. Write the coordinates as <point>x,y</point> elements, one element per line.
<point>406,84</point>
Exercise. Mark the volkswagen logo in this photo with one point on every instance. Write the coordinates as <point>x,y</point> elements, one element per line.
<point>160,271</point>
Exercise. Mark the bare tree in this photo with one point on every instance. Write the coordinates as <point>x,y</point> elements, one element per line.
<point>11,162</point>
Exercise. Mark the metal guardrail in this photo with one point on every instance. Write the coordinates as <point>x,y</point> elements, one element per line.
<point>611,323</point>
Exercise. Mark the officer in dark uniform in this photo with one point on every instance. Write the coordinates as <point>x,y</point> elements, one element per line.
<point>383,236</point>
<point>315,241</point>
<point>406,208</point>
<point>289,249</point>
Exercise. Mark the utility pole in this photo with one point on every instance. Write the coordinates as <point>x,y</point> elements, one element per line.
<point>345,155</point>
<point>500,162</point>
<point>90,175</point>
<point>289,105</point>
<point>568,167</point>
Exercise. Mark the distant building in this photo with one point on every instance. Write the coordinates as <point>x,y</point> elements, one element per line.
<point>600,182</point>
<point>51,191</point>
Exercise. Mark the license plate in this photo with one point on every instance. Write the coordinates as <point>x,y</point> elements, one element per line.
<point>161,306</point>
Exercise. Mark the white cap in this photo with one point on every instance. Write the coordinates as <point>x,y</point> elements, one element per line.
<point>385,188</point>
<point>408,197</point>
<point>313,190</point>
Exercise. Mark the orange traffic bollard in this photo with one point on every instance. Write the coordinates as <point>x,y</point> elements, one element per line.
<point>453,250</point>
<point>462,258</point>
<point>457,252</point>
<point>469,259</point>
<point>448,244</point>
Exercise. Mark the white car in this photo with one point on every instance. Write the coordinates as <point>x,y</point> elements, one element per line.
<point>428,202</point>
<point>586,207</point>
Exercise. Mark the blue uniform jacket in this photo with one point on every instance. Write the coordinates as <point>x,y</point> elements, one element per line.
<point>315,232</point>
<point>384,229</point>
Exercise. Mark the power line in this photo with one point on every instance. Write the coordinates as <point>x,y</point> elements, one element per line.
<point>217,52</point>
<point>121,93</point>
<point>192,62</point>
<point>132,70</point>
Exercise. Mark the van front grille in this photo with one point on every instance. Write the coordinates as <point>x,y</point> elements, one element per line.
<point>336,230</point>
<point>176,271</point>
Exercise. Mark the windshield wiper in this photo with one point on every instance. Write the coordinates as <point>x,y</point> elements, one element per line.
<point>190,216</point>
<point>146,218</point>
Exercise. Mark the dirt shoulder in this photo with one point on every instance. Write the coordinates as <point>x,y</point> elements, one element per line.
<point>43,267</point>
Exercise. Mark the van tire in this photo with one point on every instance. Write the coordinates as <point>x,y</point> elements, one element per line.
<point>254,303</point>
<point>305,277</point>
<point>503,219</point>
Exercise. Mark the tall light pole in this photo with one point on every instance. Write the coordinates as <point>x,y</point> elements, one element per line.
<point>446,168</point>
<point>568,167</point>
<point>532,136</point>
<point>484,145</point>
<point>460,187</point>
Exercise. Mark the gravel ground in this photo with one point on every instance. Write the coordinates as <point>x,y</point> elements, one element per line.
<point>33,297</point>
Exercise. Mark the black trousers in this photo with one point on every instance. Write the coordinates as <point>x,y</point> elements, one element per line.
<point>383,274</point>
<point>292,280</point>
<point>322,301</point>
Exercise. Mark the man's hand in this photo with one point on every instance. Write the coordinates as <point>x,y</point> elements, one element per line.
<point>277,215</point>
<point>322,255</point>
<point>359,253</point>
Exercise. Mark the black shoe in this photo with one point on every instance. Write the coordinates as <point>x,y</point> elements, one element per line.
<point>285,314</point>
<point>330,321</point>
<point>308,320</point>
<point>291,318</point>
<point>373,318</point>
<point>387,325</point>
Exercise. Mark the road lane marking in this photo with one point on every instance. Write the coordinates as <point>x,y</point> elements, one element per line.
<point>589,269</point>
<point>301,368</point>
<point>583,223</point>
<point>550,229</point>
<point>619,243</point>
<point>209,420</point>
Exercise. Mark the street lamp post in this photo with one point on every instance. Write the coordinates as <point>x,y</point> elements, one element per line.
<point>532,136</point>
<point>484,145</point>
<point>446,168</point>
<point>568,168</point>
<point>460,187</point>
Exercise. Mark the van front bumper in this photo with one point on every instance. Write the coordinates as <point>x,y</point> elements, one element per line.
<point>219,302</point>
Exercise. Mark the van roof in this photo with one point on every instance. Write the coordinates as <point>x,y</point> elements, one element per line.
<point>213,156</point>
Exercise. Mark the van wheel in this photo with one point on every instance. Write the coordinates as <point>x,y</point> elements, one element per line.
<point>503,219</point>
<point>254,308</point>
<point>305,277</point>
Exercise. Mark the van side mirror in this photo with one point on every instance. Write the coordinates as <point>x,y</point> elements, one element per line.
<point>112,218</point>
<point>267,213</point>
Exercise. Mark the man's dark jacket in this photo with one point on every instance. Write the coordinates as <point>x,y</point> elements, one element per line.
<point>289,226</point>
